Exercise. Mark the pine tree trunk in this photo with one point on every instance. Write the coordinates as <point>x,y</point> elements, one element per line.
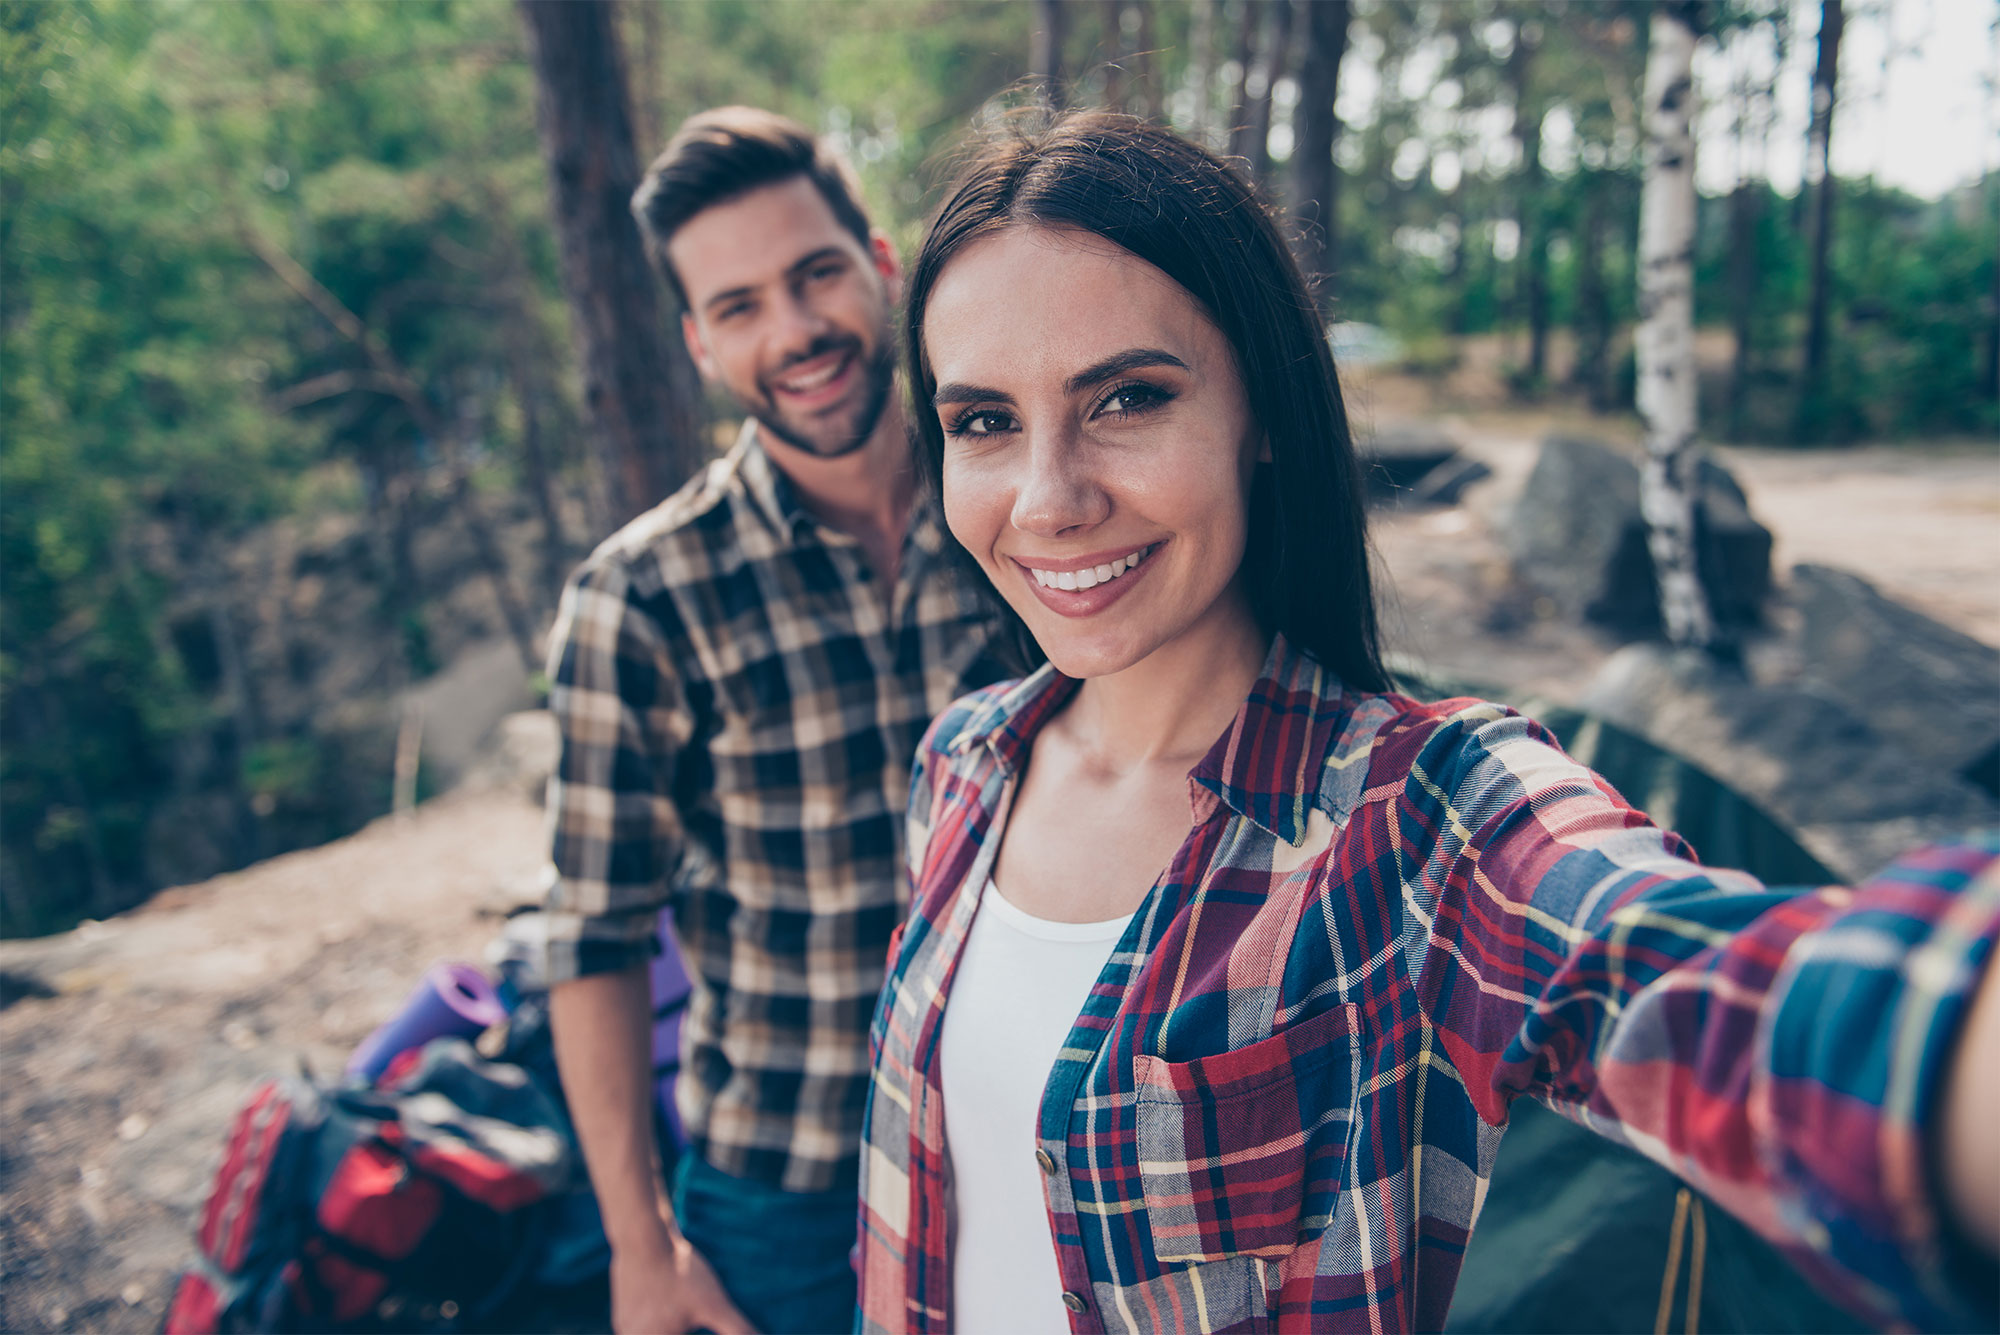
<point>1743,210</point>
<point>1992,376</point>
<point>1145,61</point>
<point>1666,390</point>
<point>1812,415</point>
<point>1315,178</point>
<point>1532,278</point>
<point>650,127</point>
<point>1593,296</point>
<point>1111,13</point>
<point>1045,52</point>
<point>1249,21</point>
<point>1201,72</point>
<point>641,390</point>
<point>1274,64</point>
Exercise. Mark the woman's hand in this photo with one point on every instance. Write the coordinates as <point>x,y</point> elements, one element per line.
<point>1969,1150</point>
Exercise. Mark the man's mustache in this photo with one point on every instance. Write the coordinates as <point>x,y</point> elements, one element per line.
<point>819,347</point>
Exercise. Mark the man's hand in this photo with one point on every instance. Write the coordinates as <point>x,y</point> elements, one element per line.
<point>660,1285</point>
<point>668,1291</point>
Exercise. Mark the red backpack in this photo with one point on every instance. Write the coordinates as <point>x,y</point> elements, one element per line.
<point>416,1204</point>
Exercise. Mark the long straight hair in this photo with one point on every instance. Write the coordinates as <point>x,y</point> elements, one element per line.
<point>1193,217</point>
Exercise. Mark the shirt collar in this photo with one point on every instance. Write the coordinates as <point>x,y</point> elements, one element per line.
<point>777,497</point>
<point>769,488</point>
<point>1265,767</point>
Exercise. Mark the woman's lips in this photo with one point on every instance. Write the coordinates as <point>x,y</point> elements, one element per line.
<point>1109,576</point>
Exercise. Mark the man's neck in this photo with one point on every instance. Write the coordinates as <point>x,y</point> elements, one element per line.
<point>866,494</point>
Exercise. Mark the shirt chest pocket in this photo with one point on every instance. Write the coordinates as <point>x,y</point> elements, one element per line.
<point>1230,1145</point>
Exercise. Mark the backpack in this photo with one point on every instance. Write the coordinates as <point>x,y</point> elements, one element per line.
<point>420,1203</point>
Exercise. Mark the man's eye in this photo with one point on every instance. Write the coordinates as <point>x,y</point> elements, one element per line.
<point>821,272</point>
<point>734,310</point>
<point>984,422</point>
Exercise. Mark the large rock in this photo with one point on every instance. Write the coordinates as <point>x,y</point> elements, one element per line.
<point>1577,536</point>
<point>1416,464</point>
<point>1934,690</point>
<point>1851,791</point>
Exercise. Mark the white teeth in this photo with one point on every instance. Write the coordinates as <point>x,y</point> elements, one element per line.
<point>1091,576</point>
<point>808,383</point>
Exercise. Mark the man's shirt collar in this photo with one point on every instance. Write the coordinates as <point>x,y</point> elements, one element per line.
<point>772,492</point>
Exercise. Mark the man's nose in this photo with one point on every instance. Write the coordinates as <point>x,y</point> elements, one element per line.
<point>1058,494</point>
<point>799,325</point>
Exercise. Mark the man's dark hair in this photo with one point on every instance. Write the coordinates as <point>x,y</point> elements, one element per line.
<point>1196,219</point>
<point>729,151</point>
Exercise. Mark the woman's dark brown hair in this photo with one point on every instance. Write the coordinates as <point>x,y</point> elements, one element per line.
<point>1193,217</point>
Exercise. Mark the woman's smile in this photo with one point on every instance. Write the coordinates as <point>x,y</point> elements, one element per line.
<point>1084,586</point>
<point>1098,446</point>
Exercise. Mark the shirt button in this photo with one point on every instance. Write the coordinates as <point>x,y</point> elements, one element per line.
<point>1048,1165</point>
<point>1074,1302</point>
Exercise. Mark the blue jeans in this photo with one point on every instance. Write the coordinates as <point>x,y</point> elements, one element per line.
<point>782,1256</point>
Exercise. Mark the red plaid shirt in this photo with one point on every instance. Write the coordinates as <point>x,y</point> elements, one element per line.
<point>1280,1106</point>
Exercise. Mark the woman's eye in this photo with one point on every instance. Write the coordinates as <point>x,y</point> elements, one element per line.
<point>985,422</point>
<point>1135,398</point>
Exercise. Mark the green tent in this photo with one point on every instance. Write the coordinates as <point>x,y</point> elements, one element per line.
<point>1579,1234</point>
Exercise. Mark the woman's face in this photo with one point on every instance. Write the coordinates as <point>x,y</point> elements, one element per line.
<point>1098,445</point>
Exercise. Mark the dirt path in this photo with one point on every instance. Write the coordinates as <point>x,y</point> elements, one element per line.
<point>119,1084</point>
<point>119,1087</point>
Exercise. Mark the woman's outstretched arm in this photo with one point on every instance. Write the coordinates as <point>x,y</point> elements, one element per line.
<point>1811,1059</point>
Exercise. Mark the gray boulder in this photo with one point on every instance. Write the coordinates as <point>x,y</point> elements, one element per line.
<point>1852,792</point>
<point>1934,690</point>
<point>1578,537</point>
<point>1399,456</point>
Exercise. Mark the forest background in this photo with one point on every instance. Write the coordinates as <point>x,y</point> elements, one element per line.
<point>292,412</point>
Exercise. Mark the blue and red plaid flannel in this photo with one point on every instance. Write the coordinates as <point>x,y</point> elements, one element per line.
<point>1280,1106</point>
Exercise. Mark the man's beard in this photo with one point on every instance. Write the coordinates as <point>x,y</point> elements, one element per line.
<point>880,373</point>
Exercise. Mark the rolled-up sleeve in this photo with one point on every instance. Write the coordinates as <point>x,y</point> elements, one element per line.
<point>1784,1051</point>
<point>614,834</point>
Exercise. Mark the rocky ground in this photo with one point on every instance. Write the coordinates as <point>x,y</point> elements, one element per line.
<point>127,1044</point>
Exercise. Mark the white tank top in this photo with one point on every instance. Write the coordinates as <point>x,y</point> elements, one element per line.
<point>1020,985</point>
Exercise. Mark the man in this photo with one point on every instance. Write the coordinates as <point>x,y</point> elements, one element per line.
<point>741,677</point>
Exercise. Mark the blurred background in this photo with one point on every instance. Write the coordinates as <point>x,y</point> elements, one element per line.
<point>292,410</point>
<point>298,441</point>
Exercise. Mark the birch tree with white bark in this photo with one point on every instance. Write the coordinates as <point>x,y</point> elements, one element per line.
<point>1665,340</point>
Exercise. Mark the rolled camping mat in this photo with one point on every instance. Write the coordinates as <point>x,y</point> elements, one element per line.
<point>453,1000</point>
<point>671,989</point>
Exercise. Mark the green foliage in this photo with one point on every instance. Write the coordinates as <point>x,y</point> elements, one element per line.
<point>275,261</point>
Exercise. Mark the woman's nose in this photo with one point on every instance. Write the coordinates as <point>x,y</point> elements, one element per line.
<point>1057,492</point>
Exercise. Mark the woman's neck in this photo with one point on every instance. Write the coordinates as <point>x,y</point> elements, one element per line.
<point>1168,708</point>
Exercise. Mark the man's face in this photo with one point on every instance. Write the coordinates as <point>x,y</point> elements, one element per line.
<point>789,313</point>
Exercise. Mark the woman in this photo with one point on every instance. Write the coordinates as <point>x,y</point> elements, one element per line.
<point>1225,964</point>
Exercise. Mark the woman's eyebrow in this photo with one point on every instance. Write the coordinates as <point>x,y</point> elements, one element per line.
<point>957,393</point>
<point>1117,364</point>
